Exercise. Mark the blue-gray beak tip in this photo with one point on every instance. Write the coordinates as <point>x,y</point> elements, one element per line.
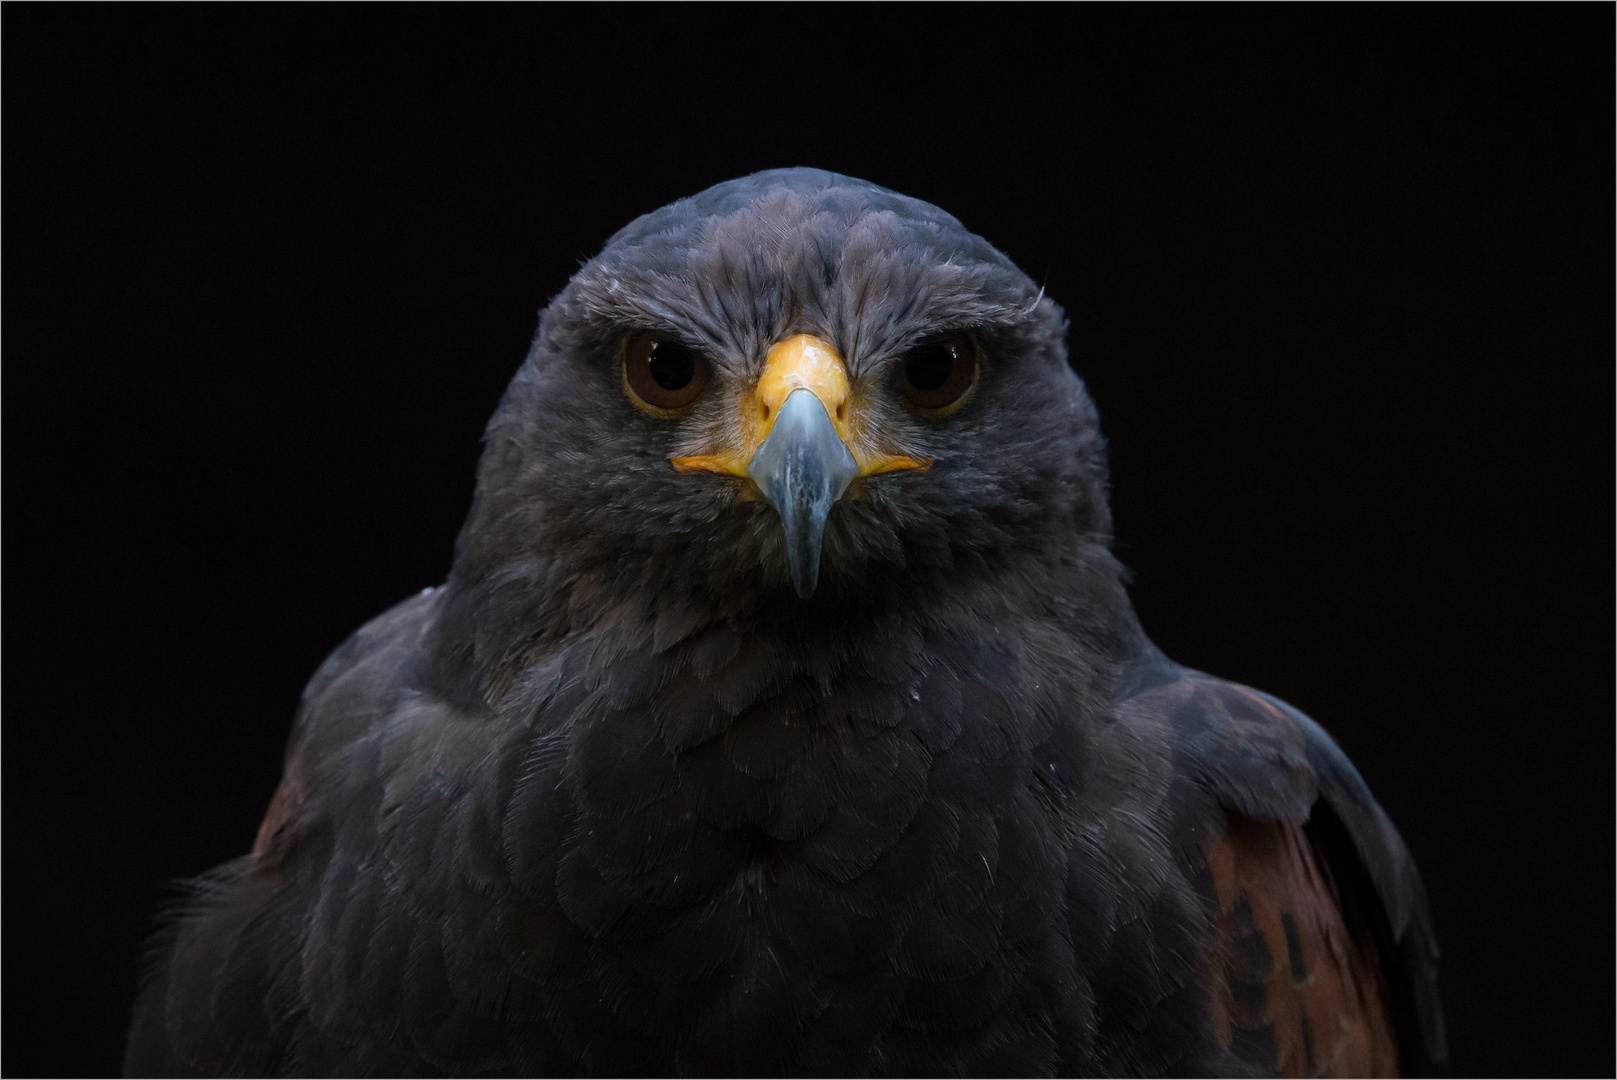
<point>802,469</point>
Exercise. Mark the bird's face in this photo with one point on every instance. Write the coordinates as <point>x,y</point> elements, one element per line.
<point>803,432</point>
<point>794,383</point>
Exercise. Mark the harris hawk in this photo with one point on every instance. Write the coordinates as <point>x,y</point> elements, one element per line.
<point>784,712</point>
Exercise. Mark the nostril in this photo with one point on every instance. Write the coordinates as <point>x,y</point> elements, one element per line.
<point>766,410</point>
<point>841,408</point>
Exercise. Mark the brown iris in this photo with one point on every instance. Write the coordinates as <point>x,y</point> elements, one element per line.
<point>939,374</point>
<point>662,375</point>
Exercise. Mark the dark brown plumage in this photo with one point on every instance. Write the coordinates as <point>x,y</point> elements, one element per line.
<point>761,734</point>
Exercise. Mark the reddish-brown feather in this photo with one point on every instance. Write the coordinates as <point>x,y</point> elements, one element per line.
<point>1298,990</point>
<point>279,812</point>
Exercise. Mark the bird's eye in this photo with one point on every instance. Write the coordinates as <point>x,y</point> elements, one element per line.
<point>662,376</point>
<point>940,373</point>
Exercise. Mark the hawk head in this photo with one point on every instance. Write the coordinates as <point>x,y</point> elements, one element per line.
<point>793,391</point>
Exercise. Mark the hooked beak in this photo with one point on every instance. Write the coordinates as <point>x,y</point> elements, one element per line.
<point>805,443</point>
<point>802,468</point>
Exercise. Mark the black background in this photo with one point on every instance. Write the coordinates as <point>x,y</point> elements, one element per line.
<point>1341,281</point>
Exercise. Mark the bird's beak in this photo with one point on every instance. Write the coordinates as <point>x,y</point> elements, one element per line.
<point>804,441</point>
<point>802,468</point>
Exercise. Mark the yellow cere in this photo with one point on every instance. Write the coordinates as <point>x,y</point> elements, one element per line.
<point>800,362</point>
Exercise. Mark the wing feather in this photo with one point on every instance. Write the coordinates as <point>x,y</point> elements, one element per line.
<point>1303,872</point>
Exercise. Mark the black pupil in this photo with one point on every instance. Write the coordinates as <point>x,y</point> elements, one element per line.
<point>672,365</point>
<point>927,368</point>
